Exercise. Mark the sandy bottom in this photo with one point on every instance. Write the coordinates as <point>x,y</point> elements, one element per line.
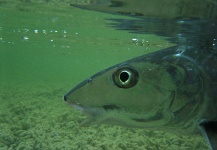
<point>37,118</point>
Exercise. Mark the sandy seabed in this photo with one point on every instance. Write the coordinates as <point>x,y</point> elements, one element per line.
<point>37,118</point>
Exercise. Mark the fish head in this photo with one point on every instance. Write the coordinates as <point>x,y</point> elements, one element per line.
<point>134,93</point>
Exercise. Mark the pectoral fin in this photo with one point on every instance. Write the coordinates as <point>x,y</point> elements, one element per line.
<point>210,132</point>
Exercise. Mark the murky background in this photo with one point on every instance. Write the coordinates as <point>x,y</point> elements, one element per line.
<point>46,48</point>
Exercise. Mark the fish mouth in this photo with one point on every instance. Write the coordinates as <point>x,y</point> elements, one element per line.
<point>83,108</point>
<point>77,106</point>
<point>94,114</point>
<point>87,110</point>
<point>74,104</point>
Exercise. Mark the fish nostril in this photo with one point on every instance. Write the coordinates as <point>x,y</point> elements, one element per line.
<point>64,98</point>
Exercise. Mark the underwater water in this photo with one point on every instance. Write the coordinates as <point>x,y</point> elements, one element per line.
<point>46,48</point>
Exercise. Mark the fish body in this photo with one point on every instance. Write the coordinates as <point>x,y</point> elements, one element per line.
<point>163,89</point>
<point>173,89</point>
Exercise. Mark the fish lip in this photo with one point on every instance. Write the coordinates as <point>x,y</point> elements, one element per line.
<point>77,106</point>
<point>73,104</point>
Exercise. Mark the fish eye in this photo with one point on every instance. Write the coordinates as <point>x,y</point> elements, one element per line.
<point>125,77</point>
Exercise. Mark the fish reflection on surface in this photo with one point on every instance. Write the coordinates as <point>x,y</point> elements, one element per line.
<point>181,9</point>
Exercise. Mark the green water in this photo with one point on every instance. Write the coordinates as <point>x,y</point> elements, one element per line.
<point>45,50</point>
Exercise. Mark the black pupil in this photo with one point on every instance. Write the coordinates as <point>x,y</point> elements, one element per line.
<point>124,76</point>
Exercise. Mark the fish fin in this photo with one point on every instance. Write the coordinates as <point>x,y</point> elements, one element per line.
<point>210,132</point>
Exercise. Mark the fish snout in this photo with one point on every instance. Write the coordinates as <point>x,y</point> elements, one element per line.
<point>64,98</point>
